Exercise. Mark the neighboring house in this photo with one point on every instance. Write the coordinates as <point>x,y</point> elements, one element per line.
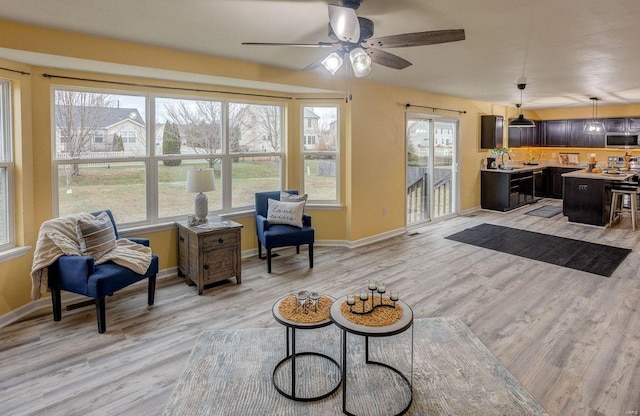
<point>95,129</point>
<point>311,129</point>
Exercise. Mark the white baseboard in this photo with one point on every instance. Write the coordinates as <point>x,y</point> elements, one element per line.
<point>44,303</point>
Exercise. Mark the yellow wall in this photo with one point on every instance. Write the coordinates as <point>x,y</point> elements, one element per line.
<point>372,140</point>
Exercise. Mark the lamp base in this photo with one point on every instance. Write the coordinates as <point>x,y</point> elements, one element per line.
<point>202,207</point>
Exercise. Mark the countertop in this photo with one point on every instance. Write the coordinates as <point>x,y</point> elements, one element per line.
<point>517,168</point>
<point>611,177</point>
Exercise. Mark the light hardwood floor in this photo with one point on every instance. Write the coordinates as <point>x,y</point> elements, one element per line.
<point>571,338</point>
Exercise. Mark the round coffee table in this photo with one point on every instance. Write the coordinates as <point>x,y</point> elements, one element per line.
<point>405,322</point>
<point>290,328</point>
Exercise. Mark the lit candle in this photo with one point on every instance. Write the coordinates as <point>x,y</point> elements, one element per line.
<point>592,158</point>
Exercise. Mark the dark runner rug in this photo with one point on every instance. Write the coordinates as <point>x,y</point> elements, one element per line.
<point>575,254</point>
<point>546,211</point>
<point>229,373</point>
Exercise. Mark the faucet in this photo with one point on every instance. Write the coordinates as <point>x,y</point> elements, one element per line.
<point>502,158</point>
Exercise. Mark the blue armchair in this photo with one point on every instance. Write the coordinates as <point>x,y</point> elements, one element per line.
<point>80,274</point>
<point>280,235</point>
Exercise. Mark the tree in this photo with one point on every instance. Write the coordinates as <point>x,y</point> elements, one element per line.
<point>118,145</point>
<point>77,116</point>
<point>171,143</point>
<point>200,123</point>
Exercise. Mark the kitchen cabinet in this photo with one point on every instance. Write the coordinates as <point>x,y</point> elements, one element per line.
<point>596,140</point>
<point>633,124</point>
<point>524,137</point>
<point>501,191</point>
<point>554,180</point>
<point>541,183</point>
<point>615,125</point>
<point>209,255</point>
<point>586,201</point>
<point>577,136</point>
<point>555,133</point>
<point>491,131</point>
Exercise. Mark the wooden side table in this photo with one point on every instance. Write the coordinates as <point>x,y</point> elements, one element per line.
<point>208,255</point>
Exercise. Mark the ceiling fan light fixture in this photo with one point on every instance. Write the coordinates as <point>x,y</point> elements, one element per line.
<point>333,62</point>
<point>360,62</point>
<point>594,126</point>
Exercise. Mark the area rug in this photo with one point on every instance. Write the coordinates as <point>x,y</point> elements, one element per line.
<point>546,211</point>
<point>229,373</point>
<point>575,254</point>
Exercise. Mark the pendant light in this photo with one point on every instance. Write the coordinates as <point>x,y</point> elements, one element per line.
<point>521,122</point>
<point>593,126</point>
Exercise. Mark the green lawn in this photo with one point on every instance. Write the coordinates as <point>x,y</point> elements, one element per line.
<point>119,187</point>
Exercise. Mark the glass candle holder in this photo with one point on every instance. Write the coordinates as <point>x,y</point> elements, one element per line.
<point>394,295</point>
<point>351,300</point>
<point>373,285</point>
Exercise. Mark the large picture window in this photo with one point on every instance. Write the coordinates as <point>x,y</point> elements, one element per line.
<point>143,180</point>
<point>320,144</point>
<point>6,168</point>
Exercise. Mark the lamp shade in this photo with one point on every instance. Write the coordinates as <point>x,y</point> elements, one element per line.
<point>200,180</point>
<point>333,62</point>
<point>360,62</point>
<point>521,122</point>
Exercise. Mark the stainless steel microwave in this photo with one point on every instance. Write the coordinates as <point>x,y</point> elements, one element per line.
<point>622,140</point>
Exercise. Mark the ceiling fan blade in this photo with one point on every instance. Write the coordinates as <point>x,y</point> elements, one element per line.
<point>387,59</point>
<point>344,23</point>
<point>299,45</point>
<point>417,39</point>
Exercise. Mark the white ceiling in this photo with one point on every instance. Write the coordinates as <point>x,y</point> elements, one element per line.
<point>569,50</point>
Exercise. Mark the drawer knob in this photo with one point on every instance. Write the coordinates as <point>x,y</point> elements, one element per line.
<point>220,240</point>
<point>206,267</point>
<point>181,238</point>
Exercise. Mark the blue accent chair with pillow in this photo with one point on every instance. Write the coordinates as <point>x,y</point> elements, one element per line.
<point>273,235</point>
<point>80,274</point>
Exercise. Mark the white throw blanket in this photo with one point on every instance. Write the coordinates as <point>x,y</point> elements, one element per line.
<point>57,237</point>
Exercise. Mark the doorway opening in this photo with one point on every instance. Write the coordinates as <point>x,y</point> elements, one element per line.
<point>432,173</point>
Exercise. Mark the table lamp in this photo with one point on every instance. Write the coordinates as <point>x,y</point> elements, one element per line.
<point>201,180</point>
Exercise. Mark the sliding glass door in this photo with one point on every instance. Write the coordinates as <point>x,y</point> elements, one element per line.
<point>431,167</point>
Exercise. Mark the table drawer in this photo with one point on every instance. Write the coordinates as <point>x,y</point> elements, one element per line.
<point>222,239</point>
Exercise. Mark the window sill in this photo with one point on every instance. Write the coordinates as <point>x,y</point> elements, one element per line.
<point>171,224</point>
<point>13,253</point>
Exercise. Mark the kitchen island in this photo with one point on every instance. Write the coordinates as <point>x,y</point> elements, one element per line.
<point>586,197</point>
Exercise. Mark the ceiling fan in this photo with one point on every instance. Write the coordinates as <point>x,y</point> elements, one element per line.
<point>353,37</point>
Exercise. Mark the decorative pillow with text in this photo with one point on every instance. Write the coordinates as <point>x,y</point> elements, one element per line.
<point>97,236</point>
<point>287,197</point>
<point>281,212</point>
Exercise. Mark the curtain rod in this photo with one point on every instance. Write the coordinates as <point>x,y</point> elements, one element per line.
<point>132,84</point>
<point>435,108</point>
<point>16,71</point>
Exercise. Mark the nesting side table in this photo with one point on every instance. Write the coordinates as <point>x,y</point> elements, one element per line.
<point>291,355</point>
<point>398,327</point>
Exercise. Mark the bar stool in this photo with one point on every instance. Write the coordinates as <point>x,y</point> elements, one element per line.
<point>617,195</point>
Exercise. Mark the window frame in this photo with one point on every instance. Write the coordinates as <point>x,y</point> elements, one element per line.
<point>7,164</point>
<point>153,157</point>
<point>336,152</point>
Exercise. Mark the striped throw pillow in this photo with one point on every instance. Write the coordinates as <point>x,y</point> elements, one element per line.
<point>97,236</point>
